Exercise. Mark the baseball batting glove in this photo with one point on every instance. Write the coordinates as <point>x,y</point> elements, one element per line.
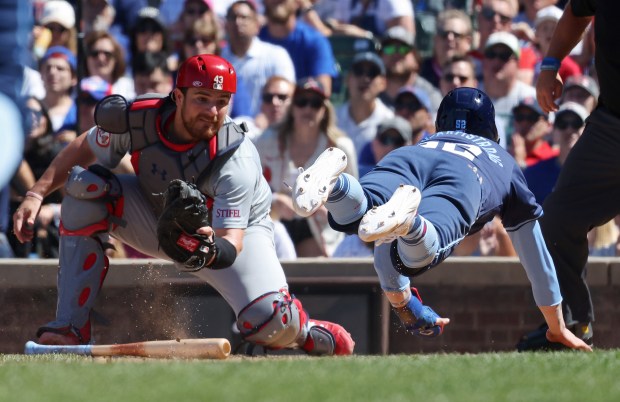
<point>419,319</point>
<point>185,211</point>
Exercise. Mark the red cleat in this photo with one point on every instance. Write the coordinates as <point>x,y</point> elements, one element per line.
<point>327,339</point>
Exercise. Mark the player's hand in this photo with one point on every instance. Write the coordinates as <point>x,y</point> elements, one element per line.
<point>24,217</point>
<point>548,89</point>
<point>429,323</point>
<point>567,338</point>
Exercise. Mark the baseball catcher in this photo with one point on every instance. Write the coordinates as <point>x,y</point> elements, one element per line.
<point>173,139</point>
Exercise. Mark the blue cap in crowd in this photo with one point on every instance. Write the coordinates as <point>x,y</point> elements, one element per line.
<point>62,52</point>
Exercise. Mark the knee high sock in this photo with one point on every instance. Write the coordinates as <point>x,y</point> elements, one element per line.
<point>346,201</point>
<point>418,248</point>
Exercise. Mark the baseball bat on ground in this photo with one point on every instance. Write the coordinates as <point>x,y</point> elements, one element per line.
<point>205,348</point>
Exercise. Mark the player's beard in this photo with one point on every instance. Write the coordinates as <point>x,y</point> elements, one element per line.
<point>201,127</point>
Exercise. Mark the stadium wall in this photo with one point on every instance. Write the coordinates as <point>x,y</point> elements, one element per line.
<point>489,301</point>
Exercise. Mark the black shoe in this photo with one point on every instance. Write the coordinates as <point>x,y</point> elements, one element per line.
<point>537,339</point>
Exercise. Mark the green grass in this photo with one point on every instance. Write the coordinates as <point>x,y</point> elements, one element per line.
<point>498,377</point>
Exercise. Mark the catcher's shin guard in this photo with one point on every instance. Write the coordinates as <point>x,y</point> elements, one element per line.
<point>93,204</point>
<point>275,320</point>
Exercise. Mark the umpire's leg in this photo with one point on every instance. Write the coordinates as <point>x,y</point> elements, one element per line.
<point>586,195</point>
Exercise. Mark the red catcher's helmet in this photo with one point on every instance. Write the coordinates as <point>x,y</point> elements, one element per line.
<point>207,71</point>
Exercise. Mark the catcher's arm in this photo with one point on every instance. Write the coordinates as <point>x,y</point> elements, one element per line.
<point>233,236</point>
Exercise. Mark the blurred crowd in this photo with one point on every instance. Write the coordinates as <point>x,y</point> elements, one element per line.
<point>366,76</point>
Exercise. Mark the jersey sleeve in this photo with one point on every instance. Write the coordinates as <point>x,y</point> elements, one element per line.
<point>108,148</point>
<point>520,207</point>
<point>534,256</point>
<point>233,193</point>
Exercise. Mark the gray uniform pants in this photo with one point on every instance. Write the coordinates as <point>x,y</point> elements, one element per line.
<point>256,270</point>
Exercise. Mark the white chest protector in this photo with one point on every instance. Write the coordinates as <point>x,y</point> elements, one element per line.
<point>156,160</point>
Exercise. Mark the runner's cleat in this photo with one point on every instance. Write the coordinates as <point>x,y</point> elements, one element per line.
<point>393,219</point>
<point>313,186</point>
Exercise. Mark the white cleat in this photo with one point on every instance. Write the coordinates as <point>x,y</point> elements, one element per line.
<point>385,223</point>
<point>312,187</point>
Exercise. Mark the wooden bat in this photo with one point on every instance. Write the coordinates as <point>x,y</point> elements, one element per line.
<point>204,348</point>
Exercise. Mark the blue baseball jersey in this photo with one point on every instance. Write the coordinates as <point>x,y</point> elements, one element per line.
<point>472,173</point>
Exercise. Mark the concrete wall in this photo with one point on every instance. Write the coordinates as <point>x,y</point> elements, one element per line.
<point>489,301</point>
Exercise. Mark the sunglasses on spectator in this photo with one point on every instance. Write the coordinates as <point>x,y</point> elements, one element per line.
<point>204,40</point>
<point>56,28</point>
<point>196,11</point>
<point>529,117</point>
<point>503,56</point>
<point>314,103</point>
<point>96,53</point>
<point>445,34</point>
<point>450,77</point>
<point>232,17</point>
<point>389,50</point>
<point>489,14</point>
<point>391,140</point>
<point>360,70</point>
<point>148,26</point>
<point>269,97</point>
<point>565,122</point>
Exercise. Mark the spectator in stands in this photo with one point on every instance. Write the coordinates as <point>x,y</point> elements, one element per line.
<point>459,71</point>
<point>58,70</point>
<point>254,60</point>
<point>307,130</point>
<point>531,9</point>
<point>193,10</point>
<point>275,100</point>
<point>402,65</point>
<point>497,16</point>
<point>92,90</point>
<point>500,80</point>
<point>98,15</point>
<point>453,38</point>
<point>581,89</point>
<point>149,33</point>
<point>362,113</point>
<point>371,17</point>
<point>413,105</point>
<point>202,37</point>
<point>310,51</point>
<point>529,140</point>
<point>59,18</point>
<point>151,73</point>
<point>41,147</point>
<point>393,132</point>
<point>567,128</point>
<point>546,20</point>
<point>105,59</point>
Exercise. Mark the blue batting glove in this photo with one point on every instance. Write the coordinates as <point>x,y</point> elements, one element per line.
<point>425,316</point>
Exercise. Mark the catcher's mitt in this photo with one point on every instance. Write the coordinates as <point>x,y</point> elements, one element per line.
<point>185,211</point>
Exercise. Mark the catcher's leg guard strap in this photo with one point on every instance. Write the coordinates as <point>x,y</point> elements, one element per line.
<point>274,320</point>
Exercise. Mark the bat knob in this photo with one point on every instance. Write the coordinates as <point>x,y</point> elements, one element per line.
<point>29,348</point>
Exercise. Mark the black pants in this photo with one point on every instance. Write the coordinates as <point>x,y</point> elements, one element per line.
<point>586,195</point>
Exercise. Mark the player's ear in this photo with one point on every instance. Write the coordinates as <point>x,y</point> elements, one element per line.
<point>176,95</point>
